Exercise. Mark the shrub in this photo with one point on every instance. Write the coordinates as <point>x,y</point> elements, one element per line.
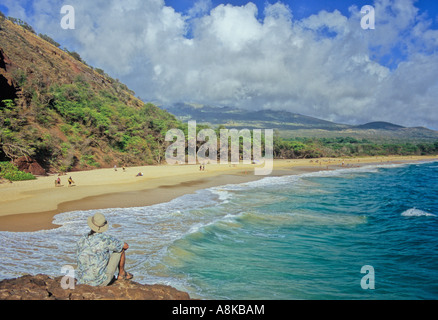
<point>9,171</point>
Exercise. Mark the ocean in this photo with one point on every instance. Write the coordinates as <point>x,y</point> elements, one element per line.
<point>358,233</point>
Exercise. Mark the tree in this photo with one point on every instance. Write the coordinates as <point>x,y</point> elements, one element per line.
<point>15,151</point>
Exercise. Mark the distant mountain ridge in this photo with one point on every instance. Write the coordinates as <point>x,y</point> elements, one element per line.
<point>380,125</point>
<point>235,117</point>
<point>291,124</point>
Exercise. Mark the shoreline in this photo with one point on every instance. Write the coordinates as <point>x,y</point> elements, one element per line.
<point>29,206</point>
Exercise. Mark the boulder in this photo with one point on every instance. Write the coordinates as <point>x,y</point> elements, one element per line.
<point>29,165</point>
<point>43,287</point>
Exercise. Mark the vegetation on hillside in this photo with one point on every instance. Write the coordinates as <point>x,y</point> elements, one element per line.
<point>69,125</point>
<point>347,147</point>
<point>10,172</point>
<point>21,23</point>
<point>68,116</point>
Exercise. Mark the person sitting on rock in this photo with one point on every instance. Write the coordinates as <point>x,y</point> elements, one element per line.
<point>100,255</point>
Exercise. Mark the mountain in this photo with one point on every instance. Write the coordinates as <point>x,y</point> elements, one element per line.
<point>291,125</point>
<point>66,115</point>
<point>379,125</point>
<point>239,118</point>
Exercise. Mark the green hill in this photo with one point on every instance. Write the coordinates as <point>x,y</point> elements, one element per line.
<point>66,115</point>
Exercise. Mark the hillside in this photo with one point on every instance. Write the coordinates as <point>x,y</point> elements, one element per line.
<point>66,115</point>
<point>239,118</point>
<point>380,125</point>
<point>292,125</point>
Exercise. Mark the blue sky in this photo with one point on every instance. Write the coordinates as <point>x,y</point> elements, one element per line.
<point>304,8</point>
<point>305,56</point>
<point>301,8</point>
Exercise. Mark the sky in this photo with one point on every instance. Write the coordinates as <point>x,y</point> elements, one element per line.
<point>305,56</point>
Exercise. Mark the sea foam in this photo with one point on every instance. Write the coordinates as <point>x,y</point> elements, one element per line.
<point>414,212</point>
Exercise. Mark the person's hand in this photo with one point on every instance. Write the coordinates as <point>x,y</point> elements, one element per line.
<point>125,246</point>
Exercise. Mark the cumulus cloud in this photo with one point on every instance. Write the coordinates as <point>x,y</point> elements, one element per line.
<point>323,65</point>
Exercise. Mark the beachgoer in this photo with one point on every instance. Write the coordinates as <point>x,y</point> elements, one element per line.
<point>100,255</point>
<point>115,167</point>
<point>59,181</point>
<point>70,181</point>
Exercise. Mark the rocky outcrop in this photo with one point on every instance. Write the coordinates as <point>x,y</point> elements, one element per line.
<point>43,287</point>
<point>29,165</point>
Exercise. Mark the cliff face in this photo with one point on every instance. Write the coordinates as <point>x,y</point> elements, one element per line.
<point>43,287</point>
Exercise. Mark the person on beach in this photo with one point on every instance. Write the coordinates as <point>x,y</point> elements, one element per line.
<point>100,255</point>
<point>70,181</point>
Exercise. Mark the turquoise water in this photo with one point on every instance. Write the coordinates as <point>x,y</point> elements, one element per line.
<point>290,237</point>
<point>308,237</point>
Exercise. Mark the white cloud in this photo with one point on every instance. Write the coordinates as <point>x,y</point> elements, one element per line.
<point>324,65</point>
<point>200,8</point>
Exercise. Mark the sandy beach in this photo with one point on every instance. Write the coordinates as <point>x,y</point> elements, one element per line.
<point>27,206</point>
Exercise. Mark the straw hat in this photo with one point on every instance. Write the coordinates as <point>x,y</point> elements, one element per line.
<point>98,223</point>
